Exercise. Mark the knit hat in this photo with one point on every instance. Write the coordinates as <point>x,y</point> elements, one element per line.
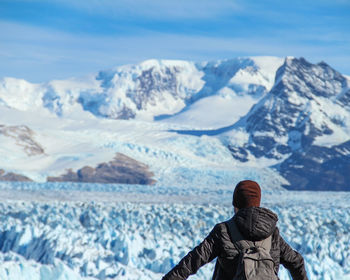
<point>247,194</point>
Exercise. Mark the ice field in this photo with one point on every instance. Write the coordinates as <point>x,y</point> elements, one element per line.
<point>90,231</point>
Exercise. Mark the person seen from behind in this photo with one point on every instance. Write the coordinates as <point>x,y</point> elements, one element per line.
<point>248,246</point>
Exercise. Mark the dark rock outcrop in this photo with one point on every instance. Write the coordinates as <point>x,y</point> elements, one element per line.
<point>13,177</point>
<point>122,169</point>
<point>318,168</point>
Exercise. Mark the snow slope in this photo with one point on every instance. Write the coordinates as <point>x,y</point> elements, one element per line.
<point>74,143</point>
<point>73,120</point>
<point>231,88</point>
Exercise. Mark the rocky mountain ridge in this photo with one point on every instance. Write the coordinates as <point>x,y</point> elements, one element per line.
<point>142,91</point>
<point>298,110</point>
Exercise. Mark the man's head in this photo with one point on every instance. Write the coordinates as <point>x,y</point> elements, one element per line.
<point>247,194</point>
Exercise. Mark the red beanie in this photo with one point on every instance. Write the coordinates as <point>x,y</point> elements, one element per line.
<point>247,194</point>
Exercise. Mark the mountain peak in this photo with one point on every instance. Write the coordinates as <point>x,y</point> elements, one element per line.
<point>301,76</point>
<point>296,111</point>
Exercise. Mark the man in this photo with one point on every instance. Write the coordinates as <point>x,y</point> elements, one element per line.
<point>254,223</point>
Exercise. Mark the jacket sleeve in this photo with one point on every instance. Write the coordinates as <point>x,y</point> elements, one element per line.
<point>205,252</point>
<point>292,260</point>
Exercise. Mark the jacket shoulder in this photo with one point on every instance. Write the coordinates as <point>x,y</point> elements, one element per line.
<point>220,229</point>
<point>223,240</point>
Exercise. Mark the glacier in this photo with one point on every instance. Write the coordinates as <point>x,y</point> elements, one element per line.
<point>95,231</point>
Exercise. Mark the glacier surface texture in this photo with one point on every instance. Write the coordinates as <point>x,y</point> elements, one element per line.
<point>72,231</point>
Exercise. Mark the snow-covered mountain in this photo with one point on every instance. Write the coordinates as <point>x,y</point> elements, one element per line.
<point>143,91</point>
<point>284,119</point>
<point>303,123</point>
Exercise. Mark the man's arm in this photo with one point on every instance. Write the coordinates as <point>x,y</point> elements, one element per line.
<point>292,260</point>
<point>199,256</point>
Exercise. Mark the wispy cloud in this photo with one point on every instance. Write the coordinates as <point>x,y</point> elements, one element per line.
<point>42,40</point>
<point>122,16</point>
<point>39,54</point>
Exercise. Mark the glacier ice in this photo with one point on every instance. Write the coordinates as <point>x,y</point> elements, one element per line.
<point>91,231</point>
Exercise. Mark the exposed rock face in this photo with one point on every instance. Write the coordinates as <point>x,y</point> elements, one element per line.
<point>23,136</point>
<point>13,177</point>
<point>152,82</point>
<point>122,169</point>
<point>319,168</point>
<point>127,91</point>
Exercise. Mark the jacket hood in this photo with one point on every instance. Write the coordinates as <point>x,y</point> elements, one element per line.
<point>255,223</point>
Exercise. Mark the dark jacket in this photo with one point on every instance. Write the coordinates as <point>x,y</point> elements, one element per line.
<point>254,224</point>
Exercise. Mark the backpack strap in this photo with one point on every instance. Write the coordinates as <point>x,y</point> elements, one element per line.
<point>241,243</point>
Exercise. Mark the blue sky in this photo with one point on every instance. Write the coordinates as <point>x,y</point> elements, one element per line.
<point>57,39</point>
